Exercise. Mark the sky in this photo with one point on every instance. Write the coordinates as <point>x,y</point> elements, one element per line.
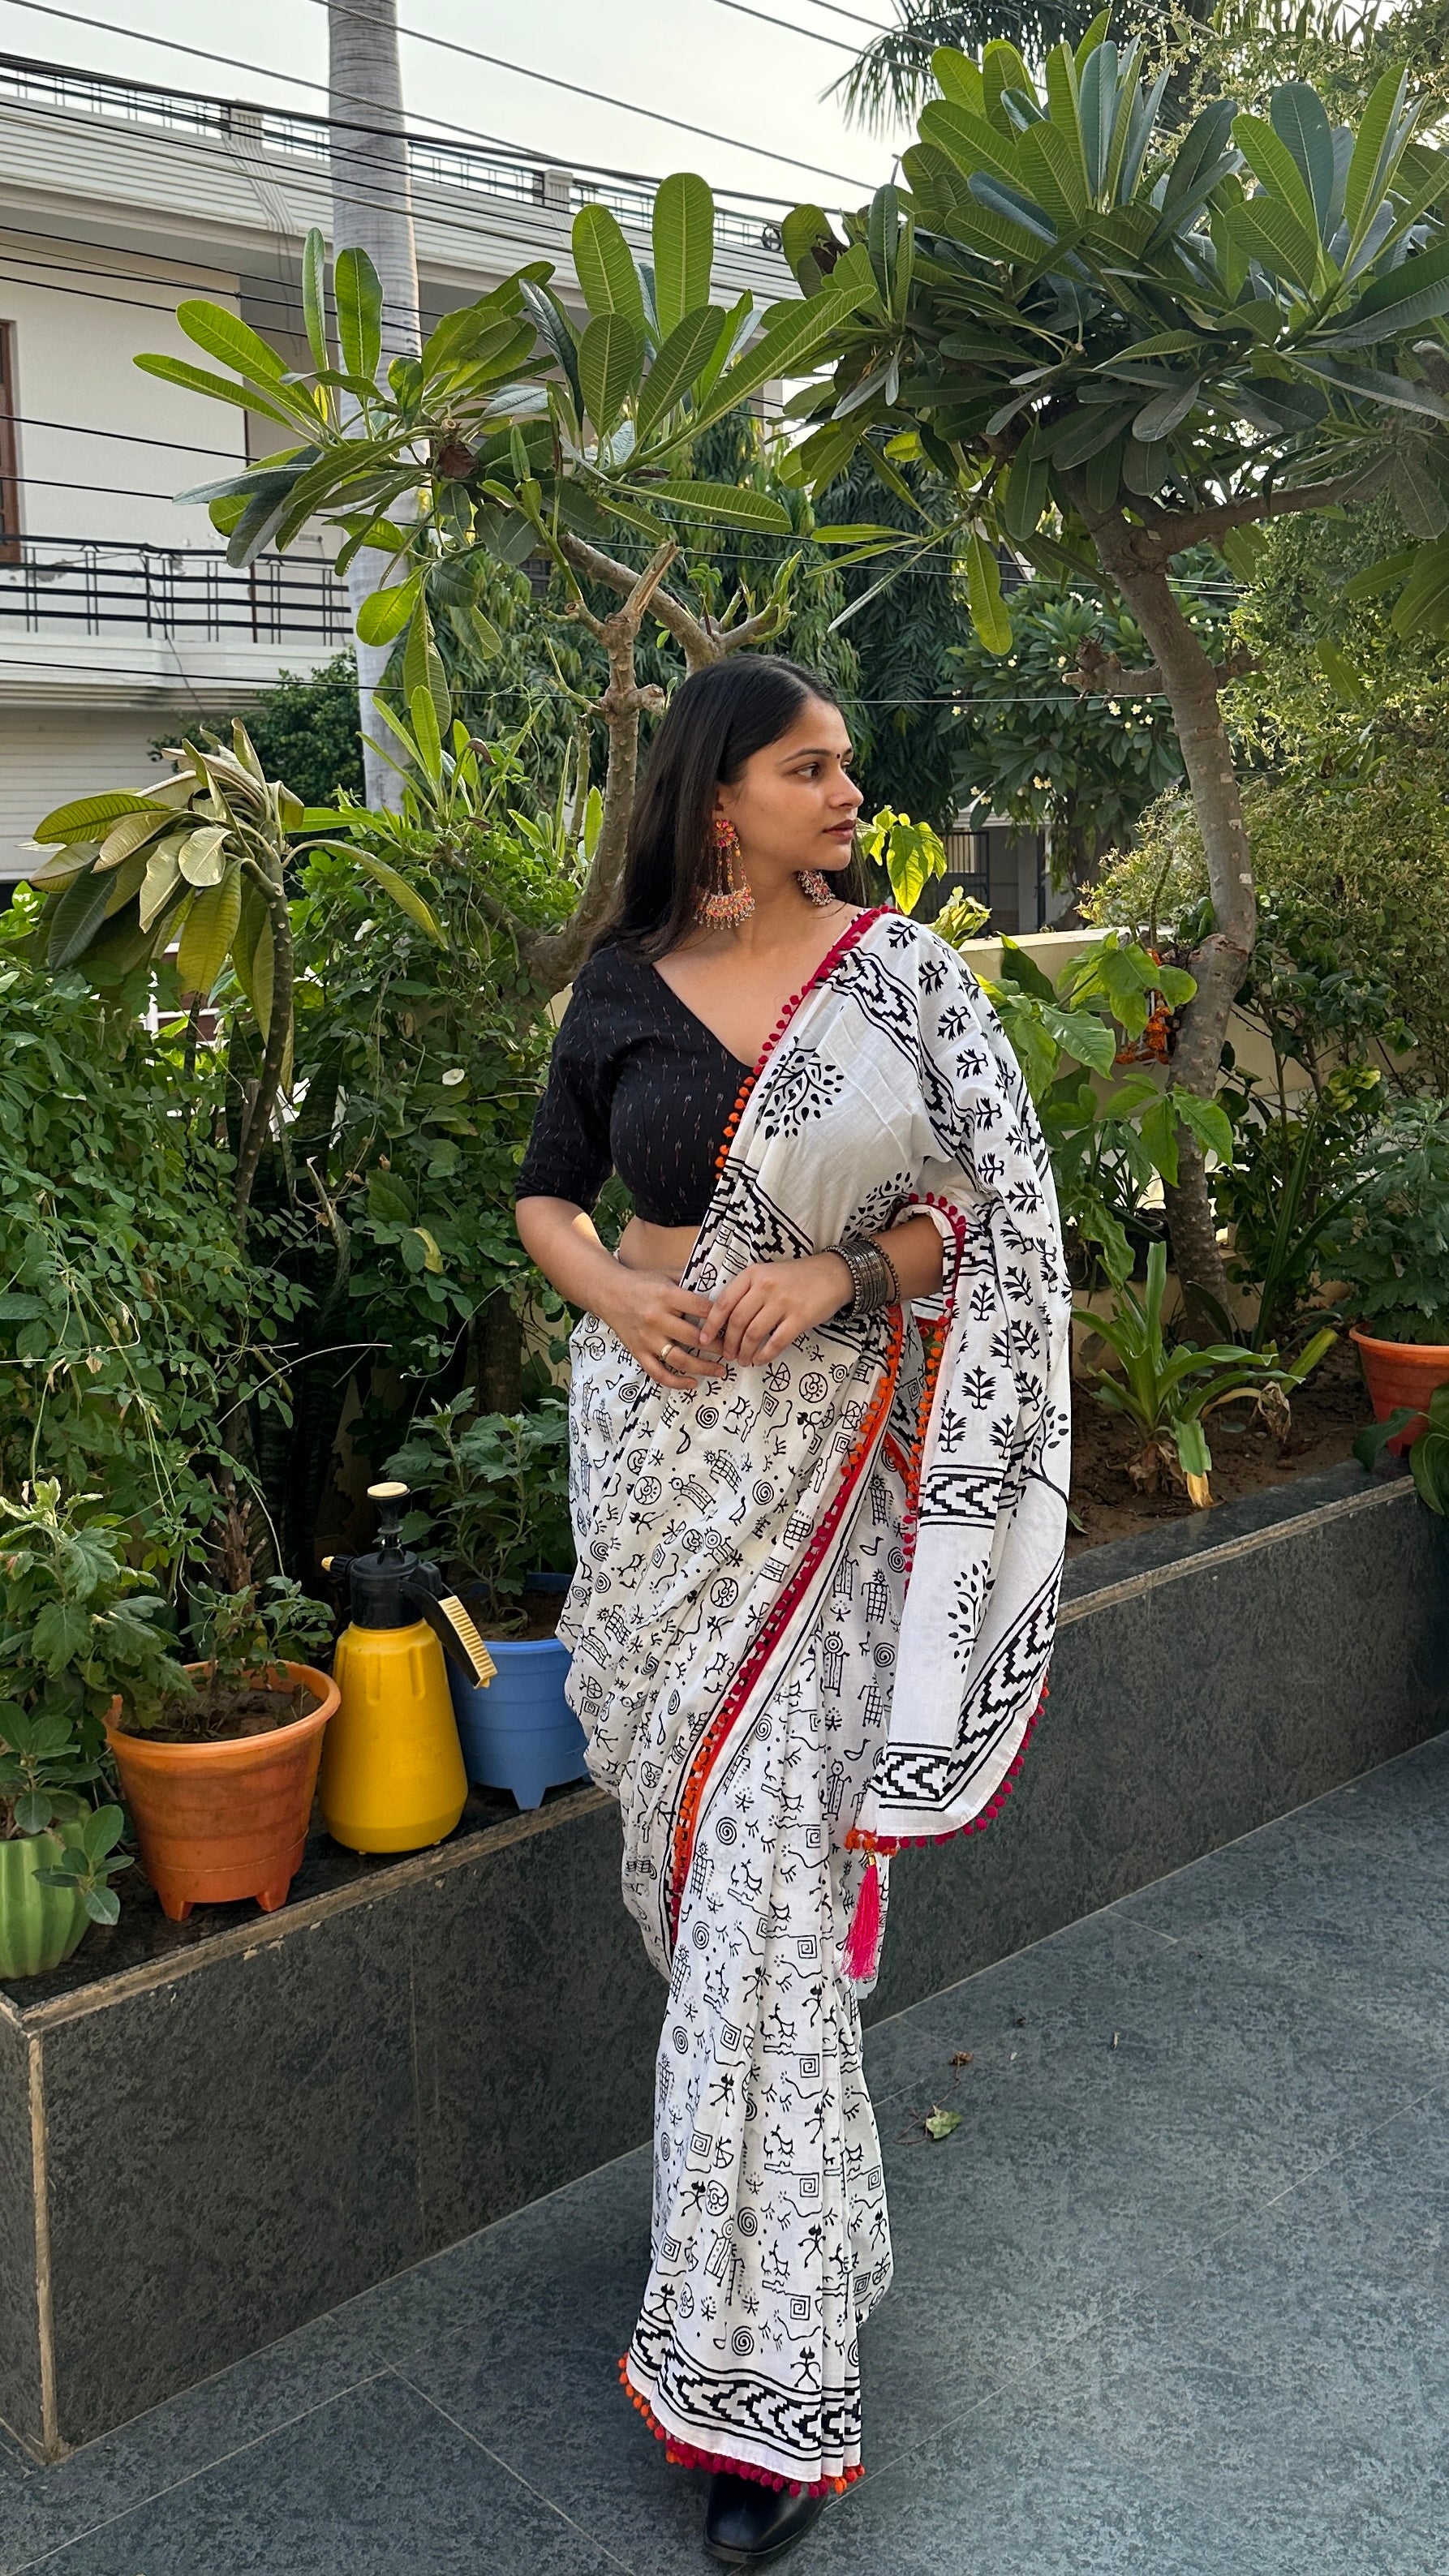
<point>699,60</point>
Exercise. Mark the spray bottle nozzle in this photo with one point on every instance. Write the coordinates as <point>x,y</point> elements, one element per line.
<point>389,1498</point>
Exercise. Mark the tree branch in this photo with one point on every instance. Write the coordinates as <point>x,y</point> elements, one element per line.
<point>1176,530</point>
<point>1100,674</point>
<point>553,957</point>
<point>701,639</point>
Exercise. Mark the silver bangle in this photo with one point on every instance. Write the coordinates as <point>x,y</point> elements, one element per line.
<point>873,1277</point>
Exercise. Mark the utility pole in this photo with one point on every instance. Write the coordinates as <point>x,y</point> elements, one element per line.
<point>372,210</point>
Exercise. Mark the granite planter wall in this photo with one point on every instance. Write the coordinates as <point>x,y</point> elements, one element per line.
<point>212,2131</point>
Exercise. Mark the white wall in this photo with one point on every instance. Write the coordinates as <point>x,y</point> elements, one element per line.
<point>75,339</point>
<point>48,755</point>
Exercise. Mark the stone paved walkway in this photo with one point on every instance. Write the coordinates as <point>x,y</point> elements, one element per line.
<point>1171,2299</point>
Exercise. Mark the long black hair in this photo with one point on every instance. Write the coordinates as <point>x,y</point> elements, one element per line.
<point>716,721</point>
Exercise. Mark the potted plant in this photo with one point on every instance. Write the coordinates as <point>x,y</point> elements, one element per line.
<point>220,1775</point>
<point>1167,1392</point>
<point>1390,1250</point>
<point>497,1516</point>
<point>81,1634</point>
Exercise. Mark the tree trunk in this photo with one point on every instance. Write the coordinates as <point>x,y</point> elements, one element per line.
<point>498,1356</point>
<point>372,211</point>
<point>269,1082</point>
<point>1220,963</point>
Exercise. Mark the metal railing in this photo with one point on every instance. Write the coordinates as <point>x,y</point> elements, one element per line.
<point>98,586</point>
<point>445,166</point>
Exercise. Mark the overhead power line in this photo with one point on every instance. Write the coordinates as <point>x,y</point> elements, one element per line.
<point>496,62</point>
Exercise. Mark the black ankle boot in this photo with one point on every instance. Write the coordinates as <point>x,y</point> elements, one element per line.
<point>746,2523</point>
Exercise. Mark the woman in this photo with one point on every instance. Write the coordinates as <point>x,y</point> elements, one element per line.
<point>820,1451</point>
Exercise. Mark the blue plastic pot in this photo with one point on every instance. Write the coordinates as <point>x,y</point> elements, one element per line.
<point>518,1732</point>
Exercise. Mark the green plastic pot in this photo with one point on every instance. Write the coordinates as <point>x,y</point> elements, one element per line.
<point>39,1926</point>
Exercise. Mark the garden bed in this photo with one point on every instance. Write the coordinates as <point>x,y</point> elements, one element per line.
<point>212,2131</point>
<point>1329,1412</point>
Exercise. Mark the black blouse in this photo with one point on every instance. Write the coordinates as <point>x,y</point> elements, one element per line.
<point>636,1085</point>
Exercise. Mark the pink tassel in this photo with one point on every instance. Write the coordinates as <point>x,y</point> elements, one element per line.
<point>862,1941</point>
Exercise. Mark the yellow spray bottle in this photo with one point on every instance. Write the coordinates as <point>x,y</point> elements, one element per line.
<point>392,1777</point>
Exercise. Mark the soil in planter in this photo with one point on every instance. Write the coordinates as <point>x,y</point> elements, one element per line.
<point>237,1714</point>
<point>1328,1414</point>
<point>538,1625</point>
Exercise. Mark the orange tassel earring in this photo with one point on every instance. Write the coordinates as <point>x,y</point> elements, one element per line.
<point>728,900</point>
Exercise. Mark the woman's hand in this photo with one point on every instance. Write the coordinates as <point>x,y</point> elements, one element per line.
<point>652,1314</point>
<point>769,1305</point>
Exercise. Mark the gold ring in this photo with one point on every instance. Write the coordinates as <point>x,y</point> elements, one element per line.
<point>664,1355</point>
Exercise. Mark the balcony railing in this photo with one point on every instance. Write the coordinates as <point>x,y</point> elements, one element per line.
<point>97,587</point>
<point>439,165</point>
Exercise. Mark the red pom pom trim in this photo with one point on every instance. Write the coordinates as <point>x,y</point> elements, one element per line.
<point>685,2456</point>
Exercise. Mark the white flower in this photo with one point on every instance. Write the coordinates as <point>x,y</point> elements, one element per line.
<point>453,1077</point>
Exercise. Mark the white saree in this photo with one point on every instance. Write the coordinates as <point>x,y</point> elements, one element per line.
<point>811,1622</point>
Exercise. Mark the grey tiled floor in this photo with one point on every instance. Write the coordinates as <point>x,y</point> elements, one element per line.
<point>1171,2299</point>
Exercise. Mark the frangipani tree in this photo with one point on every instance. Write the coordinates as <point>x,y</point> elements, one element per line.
<point>1116,343</point>
<point>525,428</point>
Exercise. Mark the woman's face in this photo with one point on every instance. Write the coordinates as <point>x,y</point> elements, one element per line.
<point>794,804</point>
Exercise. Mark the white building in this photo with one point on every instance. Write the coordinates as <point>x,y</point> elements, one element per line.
<point>120,619</point>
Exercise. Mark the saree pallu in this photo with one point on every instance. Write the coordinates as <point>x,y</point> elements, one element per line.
<point>811,1622</point>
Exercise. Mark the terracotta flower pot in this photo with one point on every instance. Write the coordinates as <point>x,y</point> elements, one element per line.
<point>39,1926</point>
<point>218,1822</point>
<point>1401,1373</point>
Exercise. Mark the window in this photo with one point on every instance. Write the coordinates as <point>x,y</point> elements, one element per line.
<point>9,453</point>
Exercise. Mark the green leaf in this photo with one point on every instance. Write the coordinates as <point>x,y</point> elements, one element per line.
<point>1375,579</point>
<point>314,304</point>
<point>1416,291</point>
<point>427,739</point>
<point>605,266</point>
<point>76,860</point>
<point>1205,1120</point>
<point>1374,152</point>
<point>201,856</point>
<point>610,355</point>
<point>357,292</point>
<point>199,380</point>
<point>1158,419</point>
<point>77,917</point>
<point>983,592</point>
<point>1300,121</point>
<point>959,79</point>
<point>406,897</point>
<point>162,877</point>
<point>683,247</point>
<point>83,818</point>
<point>1158,1131</point>
<point>102,1904</point>
<point>685,353</point>
<point>941,2124</point>
<point>1267,230</point>
<point>224,335</point>
<point>386,612</point>
<point>1417,496</point>
<point>423,668</point>
<point>210,928</point>
<point>732,505</point>
<point>787,347</point>
<point>1422,607</point>
<point>1271,161</point>
<point>1053,172</point>
<point>387,1200</point>
<point>1020,968</point>
<point>1340,674</point>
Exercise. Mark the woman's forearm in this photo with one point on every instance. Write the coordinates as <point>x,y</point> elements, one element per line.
<point>563,1241</point>
<point>914,1249</point>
